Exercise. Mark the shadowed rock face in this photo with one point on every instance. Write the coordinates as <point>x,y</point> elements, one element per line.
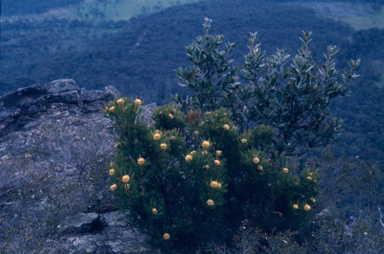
<point>17,108</point>
<point>55,148</point>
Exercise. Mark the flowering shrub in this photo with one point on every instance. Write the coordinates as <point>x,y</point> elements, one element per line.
<point>183,184</point>
<point>220,155</point>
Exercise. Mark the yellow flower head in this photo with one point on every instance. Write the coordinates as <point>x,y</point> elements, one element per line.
<point>113,187</point>
<point>120,101</point>
<point>157,131</point>
<point>163,146</point>
<point>313,200</point>
<point>217,162</point>
<point>207,113</point>
<point>219,185</point>
<point>117,145</point>
<point>256,160</point>
<point>196,133</point>
<point>170,116</point>
<point>285,170</point>
<point>193,152</point>
<point>166,236</point>
<point>214,184</point>
<point>218,153</point>
<point>111,171</point>
<point>307,208</point>
<point>244,141</point>
<point>310,174</point>
<point>226,126</point>
<point>204,152</point>
<point>156,136</point>
<point>137,102</point>
<point>127,186</point>
<point>125,179</point>
<point>140,161</point>
<point>206,166</point>
<point>154,210</point>
<point>210,202</point>
<point>295,206</point>
<point>111,109</point>
<point>234,127</point>
<point>309,178</point>
<point>188,158</point>
<point>206,144</point>
<point>260,168</point>
<point>173,138</point>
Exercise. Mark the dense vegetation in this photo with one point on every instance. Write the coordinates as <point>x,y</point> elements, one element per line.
<point>139,57</point>
<point>201,175</point>
<point>143,54</point>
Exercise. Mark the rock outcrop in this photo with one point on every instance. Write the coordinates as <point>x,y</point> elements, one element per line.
<point>55,148</point>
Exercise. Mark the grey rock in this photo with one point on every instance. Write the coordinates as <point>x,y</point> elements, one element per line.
<point>55,145</point>
<point>80,223</point>
<point>18,108</point>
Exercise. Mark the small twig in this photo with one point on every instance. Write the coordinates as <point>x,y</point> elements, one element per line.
<point>381,217</point>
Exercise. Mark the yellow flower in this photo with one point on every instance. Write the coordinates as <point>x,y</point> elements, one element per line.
<point>244,141</point>
<point>173,138</point>
<point>218,153</point>
<point>217,162</point>
<point>120,101</point>
<point>163,146</point>
<point>112,172</point>
<point>285,170</point>
<point>156,136</point>
<point>206,166</point>
<point>170,116</point>
<point>125,179</point>
<point>226,126</point>
<point>166,236</point>
<point>313,200</point>
<point>207,113</point>
<point>111,109</point>
<point>193,152</point>
<point>234,127</point>
<point>137,102</point>
<point>157,131</point>
<point>256,160</point>
<point>219,185</point>
<point>260,168</point>
<point>210,202</point>
<point>295,206</point>
<point>188,158</point>
<point>140,161</point>
<point>310,174</point>
<point>214,184</point>
<point>204,153</point>
<point>113,187</point>
<point>309,178</point>
<point>307,208</point>
<point>127,186</point>
<point>154,210</point>
<point>206,144</point>
<point>117,145</point>
<point>196,133</point>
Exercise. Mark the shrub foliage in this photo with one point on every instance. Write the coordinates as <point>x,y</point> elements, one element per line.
<point>221,156</point>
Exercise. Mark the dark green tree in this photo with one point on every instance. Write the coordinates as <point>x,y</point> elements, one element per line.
<point>289,99</point>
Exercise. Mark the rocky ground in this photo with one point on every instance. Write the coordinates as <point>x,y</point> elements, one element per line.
<point>55,148</point>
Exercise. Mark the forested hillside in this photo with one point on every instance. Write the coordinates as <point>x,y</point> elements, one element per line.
<point>19,7</point>
<point>139,57</point>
